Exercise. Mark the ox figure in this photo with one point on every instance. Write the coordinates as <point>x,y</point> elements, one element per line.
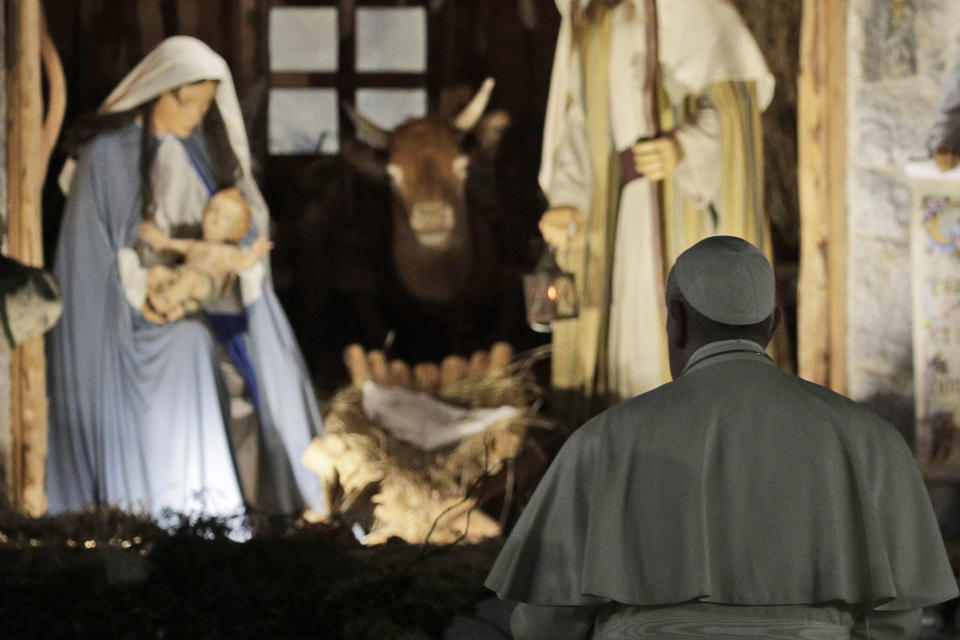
<point>423,231</point>
<point>437,250</point>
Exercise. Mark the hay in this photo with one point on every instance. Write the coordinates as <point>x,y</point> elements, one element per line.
<point>391,488</point>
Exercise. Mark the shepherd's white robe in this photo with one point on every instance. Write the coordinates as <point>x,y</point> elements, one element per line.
<point>701,42</point>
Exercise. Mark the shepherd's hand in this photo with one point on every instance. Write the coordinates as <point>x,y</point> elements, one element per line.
<point>559,225</point>
<point>657,159</point>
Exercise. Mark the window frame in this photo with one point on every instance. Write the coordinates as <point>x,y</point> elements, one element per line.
<point>346,80</point>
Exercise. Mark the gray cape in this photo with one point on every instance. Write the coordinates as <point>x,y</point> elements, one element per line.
<point>736,483</point>
<point>138,412</point>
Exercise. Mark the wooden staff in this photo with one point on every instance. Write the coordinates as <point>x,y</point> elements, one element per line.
<point>652,90</point>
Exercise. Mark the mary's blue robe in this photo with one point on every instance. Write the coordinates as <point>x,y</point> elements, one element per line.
<point>139,412</point>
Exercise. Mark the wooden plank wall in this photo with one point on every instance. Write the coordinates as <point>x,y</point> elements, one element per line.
<point>822,132</point>
<point>101,40</point>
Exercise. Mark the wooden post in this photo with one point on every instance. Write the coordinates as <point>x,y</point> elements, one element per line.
<point>822,144</point>
<point>25,169</point>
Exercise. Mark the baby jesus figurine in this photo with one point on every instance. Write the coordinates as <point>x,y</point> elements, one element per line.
<point>209,265</point>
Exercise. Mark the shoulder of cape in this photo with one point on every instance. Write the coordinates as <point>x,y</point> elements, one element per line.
<point>114,142</point>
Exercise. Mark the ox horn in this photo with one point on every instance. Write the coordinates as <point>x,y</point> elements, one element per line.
<point>374,135</point>
<point>467,119</point>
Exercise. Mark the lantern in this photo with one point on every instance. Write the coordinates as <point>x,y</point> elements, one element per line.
<point>550,294</point>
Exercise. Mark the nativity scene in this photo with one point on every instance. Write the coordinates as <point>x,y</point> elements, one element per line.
<point>488,318</point>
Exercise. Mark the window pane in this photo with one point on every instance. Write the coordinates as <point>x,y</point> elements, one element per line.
<point>303,39</point>
<point>392,39</point>
<point>390,107</point>
<point>303,121</point>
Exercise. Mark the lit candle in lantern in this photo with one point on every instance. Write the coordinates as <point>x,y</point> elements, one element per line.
<point>550,294</point>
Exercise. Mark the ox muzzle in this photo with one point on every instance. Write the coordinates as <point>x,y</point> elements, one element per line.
<point>432,223</point>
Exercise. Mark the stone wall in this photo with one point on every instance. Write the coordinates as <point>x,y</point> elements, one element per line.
<point>900,52</point>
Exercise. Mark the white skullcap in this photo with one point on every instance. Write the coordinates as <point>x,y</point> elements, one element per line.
<point>726,279</point>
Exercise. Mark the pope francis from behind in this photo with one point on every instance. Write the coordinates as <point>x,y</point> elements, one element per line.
<point>737,501</point>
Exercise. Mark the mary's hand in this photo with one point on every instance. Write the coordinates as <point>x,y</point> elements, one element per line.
<point>152,235</point>
<point>152,315</point>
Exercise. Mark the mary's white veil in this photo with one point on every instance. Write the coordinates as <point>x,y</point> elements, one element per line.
<point>178,61</point>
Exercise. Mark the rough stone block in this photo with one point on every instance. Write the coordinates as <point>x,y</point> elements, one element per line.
<point>889,38</point>
<point>937,47</point>
<point>880,315</point>
<point>880,204</point>
<point>890,122</point>
<point>890,396</point>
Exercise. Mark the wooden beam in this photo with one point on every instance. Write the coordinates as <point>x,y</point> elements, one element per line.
<point>822,132</point>
<point>188,14</point>
<point>151,21</point>
<point>25,169</point>
<point>243,51</point>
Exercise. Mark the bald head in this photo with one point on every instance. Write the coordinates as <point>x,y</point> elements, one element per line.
<point>721,288</point>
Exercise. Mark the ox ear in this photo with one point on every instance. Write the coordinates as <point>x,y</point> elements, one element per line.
<point>490,129</point>
<point>365,159</point>
<point>377,137</point>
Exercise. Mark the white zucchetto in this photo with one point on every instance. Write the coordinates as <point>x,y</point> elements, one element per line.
<point>726,279</point>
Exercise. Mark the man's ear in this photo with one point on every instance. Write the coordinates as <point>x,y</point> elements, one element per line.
<point>678,331</point>
<point>777,320</point>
